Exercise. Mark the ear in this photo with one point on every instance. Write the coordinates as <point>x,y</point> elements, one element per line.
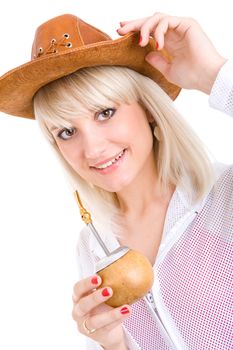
<point>150,118</point>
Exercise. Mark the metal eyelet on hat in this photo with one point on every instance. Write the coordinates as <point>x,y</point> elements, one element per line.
<point>40,51</point>
<point>54,45</point>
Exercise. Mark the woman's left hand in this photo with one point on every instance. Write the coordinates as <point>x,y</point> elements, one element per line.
<point>194,62</point>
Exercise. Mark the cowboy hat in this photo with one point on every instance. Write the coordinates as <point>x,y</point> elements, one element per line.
<point>63,45</point>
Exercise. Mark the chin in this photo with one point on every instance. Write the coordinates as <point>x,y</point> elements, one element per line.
<point>111,189</point>
<point>115,187</point>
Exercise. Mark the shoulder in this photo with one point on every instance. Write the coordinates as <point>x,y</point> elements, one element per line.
<point>220,199</point>
<point>224,177</point>
<point>215,215</point>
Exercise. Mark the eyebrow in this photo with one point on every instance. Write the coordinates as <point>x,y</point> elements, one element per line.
<point>59,127</point>
<point>53,128</point>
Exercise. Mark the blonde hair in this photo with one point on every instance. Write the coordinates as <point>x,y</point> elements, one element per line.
<point>181,159</point>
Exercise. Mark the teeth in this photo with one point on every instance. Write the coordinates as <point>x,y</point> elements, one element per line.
<point>107,164</point>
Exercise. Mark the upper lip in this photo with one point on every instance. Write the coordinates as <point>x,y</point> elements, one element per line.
<point>106,160</point>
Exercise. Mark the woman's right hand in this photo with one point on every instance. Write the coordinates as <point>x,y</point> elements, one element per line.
<point>193,60</point>
<point>91,313</point>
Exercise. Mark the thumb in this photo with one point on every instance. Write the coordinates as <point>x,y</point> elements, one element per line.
<point>158,62</point>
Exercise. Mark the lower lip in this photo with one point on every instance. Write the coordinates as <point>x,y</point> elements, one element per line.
<point>112,167</point>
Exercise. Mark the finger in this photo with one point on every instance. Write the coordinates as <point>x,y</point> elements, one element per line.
<point>119,316</point>
<point>88,303</point>
<point>123,23</point>
<point>160,32</point>
<point>106,320</point>
<point>165,24</point>
<point>149,27</point>
<point>158,62</point>
<point>85,286</point>
<point>134,25</point>
<point>131,26</point>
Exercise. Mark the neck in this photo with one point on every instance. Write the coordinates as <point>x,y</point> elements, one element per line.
<point>142,193</point>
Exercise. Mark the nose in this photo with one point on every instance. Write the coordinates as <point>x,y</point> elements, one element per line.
<point>94,146</point>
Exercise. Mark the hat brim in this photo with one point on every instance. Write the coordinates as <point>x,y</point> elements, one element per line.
<point>18,86</point>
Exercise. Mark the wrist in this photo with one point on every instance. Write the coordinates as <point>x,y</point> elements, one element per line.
<point>208,77</point>
<point>116,347</point>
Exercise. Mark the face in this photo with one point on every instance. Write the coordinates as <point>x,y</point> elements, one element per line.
<point>108,149</point>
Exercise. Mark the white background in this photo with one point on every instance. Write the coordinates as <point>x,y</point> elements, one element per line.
<point>39,219</point>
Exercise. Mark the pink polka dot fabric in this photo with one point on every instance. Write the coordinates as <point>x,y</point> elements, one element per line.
<point>193,287</point>
<point>194,280</point>
<point>144,329</point>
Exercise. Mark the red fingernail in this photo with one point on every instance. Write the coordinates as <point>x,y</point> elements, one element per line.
<point>124,310</point>
<point>157,45</point>
<point>105,292</point>
<point>94,280</point>
<point>140,40</point>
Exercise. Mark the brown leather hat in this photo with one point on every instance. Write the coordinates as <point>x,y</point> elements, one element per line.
<point>63,45</point>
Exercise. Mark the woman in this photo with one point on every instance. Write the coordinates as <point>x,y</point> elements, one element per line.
<point>130,155</point>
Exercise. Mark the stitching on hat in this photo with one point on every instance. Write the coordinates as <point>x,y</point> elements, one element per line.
<point>79,33</point>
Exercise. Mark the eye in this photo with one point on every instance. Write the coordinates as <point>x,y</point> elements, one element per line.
<point>65,134</point>
<point>106,114</point>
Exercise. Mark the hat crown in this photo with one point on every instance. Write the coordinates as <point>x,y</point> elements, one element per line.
<point>64,33</point>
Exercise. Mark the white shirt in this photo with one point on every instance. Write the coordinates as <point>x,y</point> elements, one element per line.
<point>190,304</point>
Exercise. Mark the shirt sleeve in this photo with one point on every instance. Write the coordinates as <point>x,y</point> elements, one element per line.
<point>221,96</point>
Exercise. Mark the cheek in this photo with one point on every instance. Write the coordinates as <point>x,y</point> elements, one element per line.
<point>141,132</point>
<point>127,131</point>
<point>68,153</point>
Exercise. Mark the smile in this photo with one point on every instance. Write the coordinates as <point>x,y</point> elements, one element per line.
<point>110,165</point>
<point>114,160</point>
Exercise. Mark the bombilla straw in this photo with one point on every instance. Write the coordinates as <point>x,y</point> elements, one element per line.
<point>86,217</point>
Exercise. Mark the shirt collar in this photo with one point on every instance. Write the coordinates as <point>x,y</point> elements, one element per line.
<point>110,239</point>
